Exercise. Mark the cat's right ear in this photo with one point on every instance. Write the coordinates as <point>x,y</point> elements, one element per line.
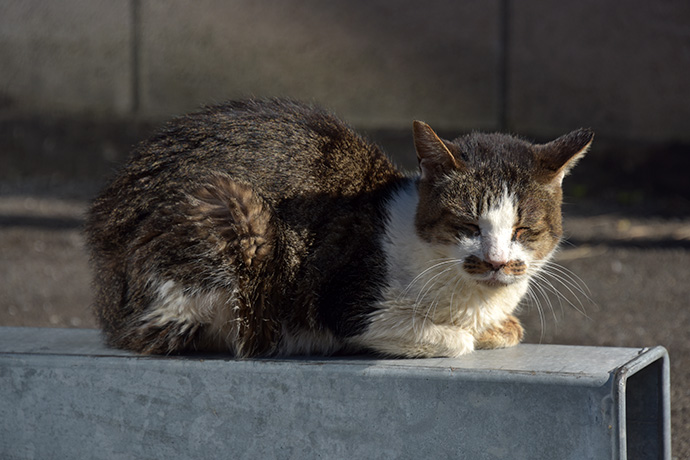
<point>558,157</point>
<point>434,156</point>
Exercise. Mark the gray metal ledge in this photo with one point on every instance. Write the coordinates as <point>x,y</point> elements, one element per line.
<point>64,395</point>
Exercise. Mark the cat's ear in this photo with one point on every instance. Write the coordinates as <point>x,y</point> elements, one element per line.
<point>435,158</point>
<point>558,157</point>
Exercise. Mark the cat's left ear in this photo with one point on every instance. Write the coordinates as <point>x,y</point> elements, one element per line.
<point>558,157</point>
<point>435,158</point>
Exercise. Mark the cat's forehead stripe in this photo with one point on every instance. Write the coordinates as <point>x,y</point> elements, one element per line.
<point>501,212</point>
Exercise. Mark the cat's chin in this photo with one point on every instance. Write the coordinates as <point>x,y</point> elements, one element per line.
<point>494,281</point>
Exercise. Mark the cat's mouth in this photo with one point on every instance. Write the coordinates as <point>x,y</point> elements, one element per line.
<point>489,275</point>
<point>496,279</point>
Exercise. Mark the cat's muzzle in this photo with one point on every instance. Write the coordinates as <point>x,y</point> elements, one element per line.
<point>494,274</point>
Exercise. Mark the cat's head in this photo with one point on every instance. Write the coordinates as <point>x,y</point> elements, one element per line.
<point>493,200</point>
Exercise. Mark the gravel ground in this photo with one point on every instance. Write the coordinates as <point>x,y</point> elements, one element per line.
<point>627,254</point>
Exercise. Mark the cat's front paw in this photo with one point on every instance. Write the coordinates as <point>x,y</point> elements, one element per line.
<point>506,334</point>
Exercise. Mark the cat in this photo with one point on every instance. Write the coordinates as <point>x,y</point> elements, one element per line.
<point>270,228</point>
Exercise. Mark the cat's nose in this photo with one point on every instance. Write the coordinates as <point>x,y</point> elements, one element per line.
<point>496,265</point>
<point>496,253</point>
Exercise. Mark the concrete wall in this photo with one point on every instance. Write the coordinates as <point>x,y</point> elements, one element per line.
<point>534,66</point>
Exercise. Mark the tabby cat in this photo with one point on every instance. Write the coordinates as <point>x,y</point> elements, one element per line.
<point>270,228</point>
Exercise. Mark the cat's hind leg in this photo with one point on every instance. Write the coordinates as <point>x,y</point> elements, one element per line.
<point>201,282</point>
<point>239,224</point>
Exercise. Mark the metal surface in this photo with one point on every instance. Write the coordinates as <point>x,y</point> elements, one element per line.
<point>64,395</point>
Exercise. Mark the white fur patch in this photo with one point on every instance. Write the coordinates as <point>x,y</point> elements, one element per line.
<point>497,226</point>
<point>212,309</point>
<point>173,305</point>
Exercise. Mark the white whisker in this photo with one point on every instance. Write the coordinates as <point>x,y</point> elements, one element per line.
<point>452,297</point>
<point>575,280</point>
<point>434,305</point>
<point>566,285</point>
<point>424,291</point>
<point>540,289</point>
<point>419,276</point>
<point>533,298</point>
<point>433,280</point>
<point>548,273</point>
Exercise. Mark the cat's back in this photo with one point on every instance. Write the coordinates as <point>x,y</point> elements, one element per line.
<point>280,147</point>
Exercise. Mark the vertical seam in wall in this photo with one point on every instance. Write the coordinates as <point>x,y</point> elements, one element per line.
<point>135,43</point>
<point>503,56</point>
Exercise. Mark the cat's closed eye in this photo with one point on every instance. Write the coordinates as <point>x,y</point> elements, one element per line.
<point>525,234</point>
<point>468,229</point>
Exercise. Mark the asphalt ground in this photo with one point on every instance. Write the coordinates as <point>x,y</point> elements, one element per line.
<point>625,263</point>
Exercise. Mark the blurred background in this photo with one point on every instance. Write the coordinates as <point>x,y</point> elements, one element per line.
<point>82,81</point>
